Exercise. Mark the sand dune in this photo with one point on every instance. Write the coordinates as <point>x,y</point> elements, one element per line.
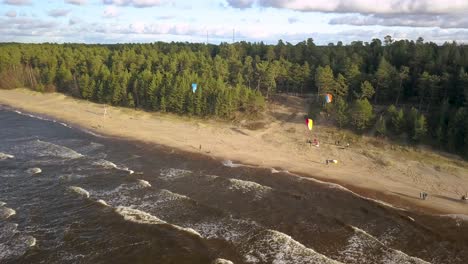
<point>368,167</point>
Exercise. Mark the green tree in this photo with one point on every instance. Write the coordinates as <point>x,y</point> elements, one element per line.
<point>381,126</point>
<point>340,111</point>
<point>367,91</point>
<point>385,77</point>
<point>403,76</point>
<point>361,114</point>
<point>324,79</point>
<point>397,119</point>
<point>420,128</point>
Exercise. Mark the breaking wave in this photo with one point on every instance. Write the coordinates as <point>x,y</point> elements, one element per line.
<point>141,217</point>
<point>271,246</point>
<point>43,118</point>
<point>79,191</point>
<point>6,212</point>
<point>4,156</point>
<point>172,173</point>
<point>249,187</point>
<point>110,165</point>
<point>361,243</point>
<point>47,149</point>
<point>34,171</point>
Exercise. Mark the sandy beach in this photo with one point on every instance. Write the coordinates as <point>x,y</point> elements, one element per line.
<point>370,167</point>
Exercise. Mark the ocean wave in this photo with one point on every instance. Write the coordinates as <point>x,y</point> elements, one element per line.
<point>93,133</point>
<point>110,165</point>
<point>42,118</point>
<point>337,186</point>
<point>141,217</point>
<point>231,164</point>
<point>71,177</point>
<point>462,217</point>
<point>33,171</point>
<point>249,187</point>
<point>143,183</point>
<point>273,170</point>
<point>102,202</point>
<point>6,212</point>
<point>361,242</point>
<point>225,228</point>
<point>16,247</point>
<point>47,149</point>
<point>7,231</point>
<point>271,246</point>
<point>4,156</point>
<point>173,173</point>
<point>221,261</point>
<point>79,191</point>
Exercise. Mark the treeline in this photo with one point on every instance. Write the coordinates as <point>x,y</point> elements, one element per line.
<point>427,84</point>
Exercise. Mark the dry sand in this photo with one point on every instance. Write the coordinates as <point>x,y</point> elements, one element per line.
<point>370,167</point>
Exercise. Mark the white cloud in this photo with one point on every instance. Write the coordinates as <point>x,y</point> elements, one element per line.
<point>361,6</point>
<point>58,12</point>
<point>76,2</point>
<point>292,20</point>
<point>11,13</point>
<point>73,21</point>
<point>17,2</point>
<point>111,11</point>
<point>135,3</point>
<point>241,3</point>
<point>440,21</point>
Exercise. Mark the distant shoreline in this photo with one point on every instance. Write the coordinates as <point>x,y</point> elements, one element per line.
<point>272,147</point>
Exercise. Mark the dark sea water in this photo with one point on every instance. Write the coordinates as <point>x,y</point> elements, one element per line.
<point>103,200</point>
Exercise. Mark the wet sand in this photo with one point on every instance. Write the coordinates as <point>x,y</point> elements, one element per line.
<point>370,167</point>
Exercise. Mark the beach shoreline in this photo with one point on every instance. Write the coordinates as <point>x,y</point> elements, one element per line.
<point>278,146</point>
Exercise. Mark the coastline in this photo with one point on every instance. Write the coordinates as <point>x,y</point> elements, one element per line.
<point>397,181</point>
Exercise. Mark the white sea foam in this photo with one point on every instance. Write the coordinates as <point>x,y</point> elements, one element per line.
<point>34,171</point>
<point>226,228</point>
<point>102,202</point>
<point>271,246</point>
<point>93,133</point>
<point>44,149</point>
<point>70,177</point>
<point>105,163</point>
<point>4,156</point>
<point>42,118</point>
<point>144,183</point>
<point>7,230</point>
<point>221,261</point>
<point>167,195</point>
<point>229,163</point>
<point>462,217</point>
<point>172,173</point>
<point>273,170</point>
<point>2,203</point>
<point>249,187</point>
<point>337,186</point>
<point>6,212</point>
<point>79,191</point>
<point>141,217</point>
<point>362,242</point>
<point>16,247</point>
<point>110,165</point>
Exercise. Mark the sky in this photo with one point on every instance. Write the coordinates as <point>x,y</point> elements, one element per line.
<point>215,21</point>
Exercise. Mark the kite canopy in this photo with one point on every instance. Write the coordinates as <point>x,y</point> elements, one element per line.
<point>328,98</point>
<point>194,87</point>
<point>309,123</point>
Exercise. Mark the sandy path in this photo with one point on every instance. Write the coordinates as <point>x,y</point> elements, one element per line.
<point>392,174</point>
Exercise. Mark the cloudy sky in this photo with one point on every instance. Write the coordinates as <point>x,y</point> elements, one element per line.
<point>119,21</point>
